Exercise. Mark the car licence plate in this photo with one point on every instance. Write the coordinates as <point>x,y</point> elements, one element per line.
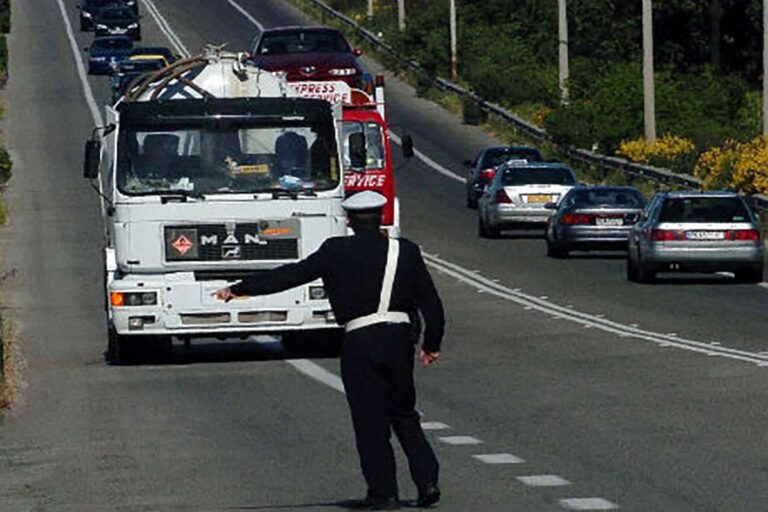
<point>118,31</point>
<point>705,235</point>
<point>538,198</point>
<point>609,221</point>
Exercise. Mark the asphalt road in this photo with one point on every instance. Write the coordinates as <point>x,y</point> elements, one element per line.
<point>584,387</point>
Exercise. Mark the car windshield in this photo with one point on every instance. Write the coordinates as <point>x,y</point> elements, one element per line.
<point>238,158</point>
<point>323,41</point>
<point>515,176</point>
<point>497,156</point>
<point>374,143</point>
<point>116,14</point>
<point>121,43</point>
<point>704,209</point>
<point>611,198</point>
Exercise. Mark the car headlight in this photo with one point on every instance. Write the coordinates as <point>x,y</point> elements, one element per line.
<point>99,26</point>
<point>342,71</point>
<point>99,59</point>
<point>133,26</point>
<point>317,293</point>
<point>86,14</point>
<point>119,299</point>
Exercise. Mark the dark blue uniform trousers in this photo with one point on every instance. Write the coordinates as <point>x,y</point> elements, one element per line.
<point>377,370</point>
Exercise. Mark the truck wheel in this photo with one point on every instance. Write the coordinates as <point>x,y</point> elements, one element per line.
<point>121,349</point>
<point>750,275</point>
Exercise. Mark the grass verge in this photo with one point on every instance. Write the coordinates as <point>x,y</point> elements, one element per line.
<point>10,382</point>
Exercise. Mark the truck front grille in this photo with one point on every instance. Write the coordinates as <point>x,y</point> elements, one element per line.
<point>241,242</point>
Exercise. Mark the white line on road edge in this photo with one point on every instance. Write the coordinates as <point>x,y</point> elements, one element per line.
<point>87,91</point>
<point>166,29</point>
<point>431,163</point>
<point>545,306</point>
<point>246,14</point>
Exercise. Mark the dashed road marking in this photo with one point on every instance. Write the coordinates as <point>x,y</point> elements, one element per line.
<point>246,15</point>
<point>460,440</point>
<point>499,458</point>
<point>434,425</point>
<point>587,504</point>
<point>544,480</point>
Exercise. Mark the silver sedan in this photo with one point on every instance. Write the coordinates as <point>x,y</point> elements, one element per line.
<point>696,232</point>
<point>593,218</point>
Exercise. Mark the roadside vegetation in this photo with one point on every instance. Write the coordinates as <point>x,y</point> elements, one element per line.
<point>708,60</point>
<point>6,373</point>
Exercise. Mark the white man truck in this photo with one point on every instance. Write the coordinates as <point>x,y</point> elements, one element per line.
<point>211,170</point>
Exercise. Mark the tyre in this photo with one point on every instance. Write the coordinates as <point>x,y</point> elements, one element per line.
<point>750,275</point>
<point>555,250</point>
<point>645,274</point>
<point>482,231</point>
<point>121,349</point>
<point>631,270</point>
<point>471,202</point>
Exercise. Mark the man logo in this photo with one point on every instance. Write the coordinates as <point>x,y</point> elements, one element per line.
<point>231,252</point>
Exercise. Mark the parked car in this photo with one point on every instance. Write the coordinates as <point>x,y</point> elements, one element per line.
<point>117,21</point>
<point>483,167</point>
<point>88,9</point>
<point>518,194</point>
<point>104,52</point>
<point>128,70</point>
<point>308,54</point>
<point>696,232</point>
<point>593,218</point>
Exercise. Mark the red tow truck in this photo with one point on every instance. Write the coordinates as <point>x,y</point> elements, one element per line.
<point>364,112</point>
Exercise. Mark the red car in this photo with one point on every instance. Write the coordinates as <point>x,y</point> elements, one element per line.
<point>308,53</point>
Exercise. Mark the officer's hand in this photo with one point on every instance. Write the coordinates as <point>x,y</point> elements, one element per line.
<point>427,358</point>
<point>224,294</point>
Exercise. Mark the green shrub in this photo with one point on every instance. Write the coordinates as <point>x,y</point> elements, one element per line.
<point>5,16</point>
<point>472,113</point>
<point>5,166</point>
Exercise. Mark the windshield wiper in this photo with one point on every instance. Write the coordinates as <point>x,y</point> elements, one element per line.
<point>180,196</point>
<point>292,194</point>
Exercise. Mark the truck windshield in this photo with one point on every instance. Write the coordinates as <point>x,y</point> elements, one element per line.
<point>220,160</point>
<point>374,143</point>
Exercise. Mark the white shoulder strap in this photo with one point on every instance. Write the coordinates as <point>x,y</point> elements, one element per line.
<point>393,253</point>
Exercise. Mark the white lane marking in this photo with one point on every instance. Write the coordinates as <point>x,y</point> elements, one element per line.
<point>587,504</point>
<point>431,163</point>
<point>87,91</point>
<point>434,425</point>
<point>165,28</point>
<point>460,440</point>
<point>499,458</point>
<point>544,480</point>
<point>318,373</point>
<point>586,319</point>
<point>247,15</point>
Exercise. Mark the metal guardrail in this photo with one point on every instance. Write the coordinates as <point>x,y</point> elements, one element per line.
<point>658,174</point>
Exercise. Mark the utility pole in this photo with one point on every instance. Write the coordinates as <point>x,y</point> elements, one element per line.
<point>765,67</point>
<point>401,15</point>
<point>649,93</point>
<point>562,19</point>
<point>454,57</point>
<point>370,8</point>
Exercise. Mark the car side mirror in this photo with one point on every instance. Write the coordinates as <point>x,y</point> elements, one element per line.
<point>551,206</point>
<point>92,159</point>
<point>407,143</point>
<point>357,153</point>
<point>357,52</point>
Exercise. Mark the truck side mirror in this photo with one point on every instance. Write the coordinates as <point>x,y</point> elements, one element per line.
<point>358,156</point>
<point>92,159</point>
<point>407,146</point>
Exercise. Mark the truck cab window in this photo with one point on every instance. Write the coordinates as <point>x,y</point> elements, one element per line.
<point>374,143</point>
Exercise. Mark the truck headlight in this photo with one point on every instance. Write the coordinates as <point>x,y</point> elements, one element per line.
<point>342,71</point>
<point>120,299</point>
<point>317,293</point>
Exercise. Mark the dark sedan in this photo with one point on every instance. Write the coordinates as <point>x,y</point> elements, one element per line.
<point>89,8</point>
<point>483,167</point>
<point>308,54</point>
<point>128,70</point>
<point>105,52</point>
<point>117,21</point>
<point>593,218</point>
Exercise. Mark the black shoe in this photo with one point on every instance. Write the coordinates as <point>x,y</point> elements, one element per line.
<point>369,503</point>
<point>428,496</point>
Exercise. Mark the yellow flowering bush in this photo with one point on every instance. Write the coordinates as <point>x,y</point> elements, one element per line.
<point>741,166</point>
<point>668,151</point>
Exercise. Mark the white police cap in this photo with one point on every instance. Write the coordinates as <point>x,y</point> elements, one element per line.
<point>366,200</point>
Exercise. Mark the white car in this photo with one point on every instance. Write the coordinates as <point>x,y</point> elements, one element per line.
<point>518,196</point>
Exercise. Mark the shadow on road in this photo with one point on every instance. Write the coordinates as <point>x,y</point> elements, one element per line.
<point>345,504</point>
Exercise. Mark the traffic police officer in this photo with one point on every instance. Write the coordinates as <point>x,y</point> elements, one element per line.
<point>374,284</point>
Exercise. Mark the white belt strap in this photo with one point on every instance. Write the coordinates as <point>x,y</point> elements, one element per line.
<point>383,315</point>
